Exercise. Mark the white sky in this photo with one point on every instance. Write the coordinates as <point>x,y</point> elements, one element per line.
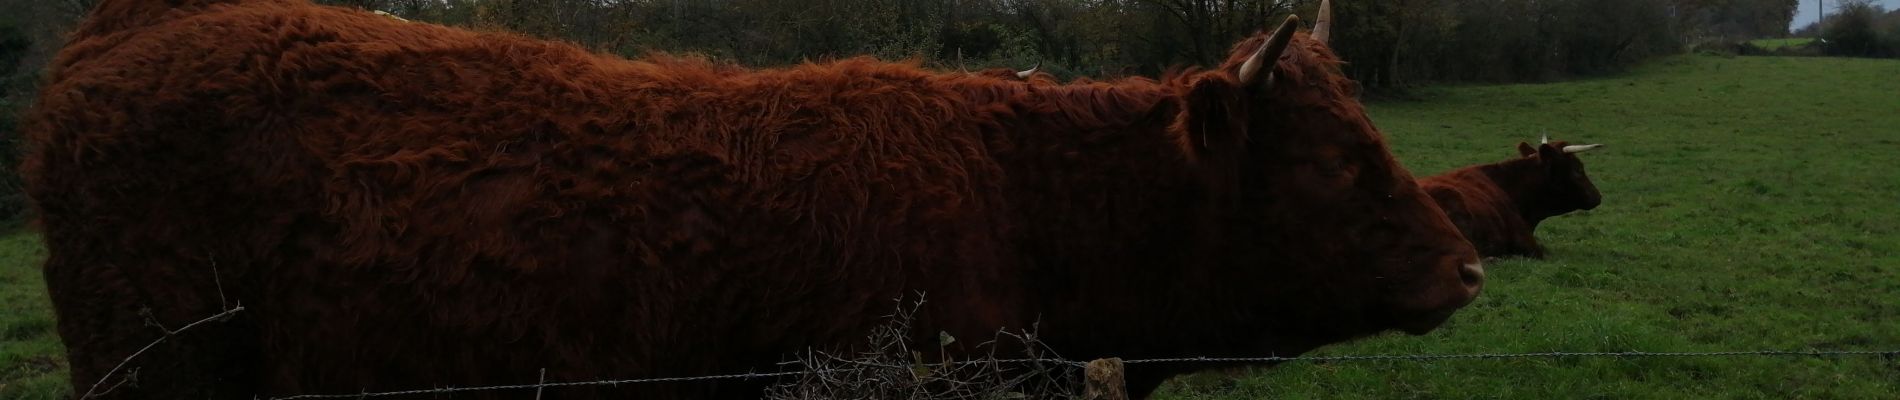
<point>1806,14</point>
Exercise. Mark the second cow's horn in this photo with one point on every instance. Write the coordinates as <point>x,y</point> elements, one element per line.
<point>1581,148</point>
<point>1323,26</point>
<point>1025,74</point>
<point>1269,52</point>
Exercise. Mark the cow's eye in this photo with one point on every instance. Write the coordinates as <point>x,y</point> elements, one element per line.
<point>1332,167</point>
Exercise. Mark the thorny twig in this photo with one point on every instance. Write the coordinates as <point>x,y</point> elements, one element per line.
<point>90,393</point>
<point>891,368</point>
<point>152,320</point>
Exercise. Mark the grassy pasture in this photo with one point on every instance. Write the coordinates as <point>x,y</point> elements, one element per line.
<point>32,364</point>
<point>1749,203</point>
<point>1774,44</point>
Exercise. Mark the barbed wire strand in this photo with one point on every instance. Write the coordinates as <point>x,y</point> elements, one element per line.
<point>543,385</point>
<point>1078,364</point>
<point>952,363</point>
<point>1551,354</point>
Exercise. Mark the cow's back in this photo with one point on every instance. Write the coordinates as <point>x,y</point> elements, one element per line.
<point>1482,211</point>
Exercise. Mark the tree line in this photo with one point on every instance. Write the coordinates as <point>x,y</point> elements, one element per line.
<point>1390,43</point>
<point>1858,28</point>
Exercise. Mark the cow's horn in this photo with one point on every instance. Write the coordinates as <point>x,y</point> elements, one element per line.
<point>391,16</point>
<point>1322,26</point>
<point>960,61</point>
<point>1545,140</point>
<point>1025,74</point>
<point>1581,148</point>
<point>1269,52</point>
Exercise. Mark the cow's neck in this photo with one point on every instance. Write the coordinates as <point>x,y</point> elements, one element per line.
<point>1523,180</point>
<point>1105,203</point>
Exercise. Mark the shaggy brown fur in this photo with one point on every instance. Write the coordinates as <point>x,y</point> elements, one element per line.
<point>1498,206</point>
<point>406,206</point>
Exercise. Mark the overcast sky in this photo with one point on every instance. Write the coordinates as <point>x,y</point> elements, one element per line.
<point>1805,15</point>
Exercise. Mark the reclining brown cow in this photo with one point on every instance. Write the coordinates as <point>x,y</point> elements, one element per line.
<point>1005,73</point>
<point>409,206</point>
<point>1498,206</point>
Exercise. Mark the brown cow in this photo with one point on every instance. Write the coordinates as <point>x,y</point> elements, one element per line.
<point>1023,75</point>
<point>409,206</point>
<point>1002,73</point>
<point>1498,206</point>
<point>1033,74</point>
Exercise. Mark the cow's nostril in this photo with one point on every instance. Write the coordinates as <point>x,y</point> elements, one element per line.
<point>1473,274</point>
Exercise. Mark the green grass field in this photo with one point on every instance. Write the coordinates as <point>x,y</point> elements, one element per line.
<point>31,358</point>
<point>1774,44</point>
<point>1749,204</point>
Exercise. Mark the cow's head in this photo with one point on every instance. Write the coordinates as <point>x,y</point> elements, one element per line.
<point>1564,185</point>
<point>1000,73</point>
<point>1344,241</point>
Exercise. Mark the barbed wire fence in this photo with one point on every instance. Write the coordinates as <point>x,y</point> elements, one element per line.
<point>1079,364</point>
<point>891,368</point>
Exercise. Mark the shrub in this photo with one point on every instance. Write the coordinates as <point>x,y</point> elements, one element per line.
<point>1862,29</point>
<point>15,93</point>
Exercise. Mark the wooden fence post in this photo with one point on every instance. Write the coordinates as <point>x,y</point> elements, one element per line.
<point>1102,380</point>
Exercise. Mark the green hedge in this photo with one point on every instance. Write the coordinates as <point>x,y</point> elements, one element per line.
<point>15,93</point>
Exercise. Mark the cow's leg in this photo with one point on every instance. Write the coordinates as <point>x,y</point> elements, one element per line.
<point>113,302</point>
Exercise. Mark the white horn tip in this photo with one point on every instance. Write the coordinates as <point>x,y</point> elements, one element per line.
<point>1581,148</point>
<point>1025,74</point>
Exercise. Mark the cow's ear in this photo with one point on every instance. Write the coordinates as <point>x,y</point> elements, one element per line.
<point>1550,155</point>
<point>1525,149</point>
<point>1550,151</point>
<point>1213,122</point>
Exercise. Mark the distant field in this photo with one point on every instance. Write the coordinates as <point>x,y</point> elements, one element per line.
<point>1772,44</point>
<point>1749,203</point>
